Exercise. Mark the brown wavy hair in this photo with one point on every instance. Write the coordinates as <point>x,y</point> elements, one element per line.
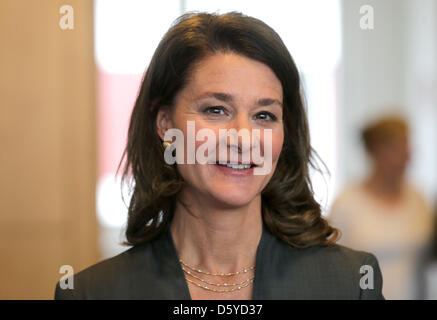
<point>289,209</point>
<point>384,130</point>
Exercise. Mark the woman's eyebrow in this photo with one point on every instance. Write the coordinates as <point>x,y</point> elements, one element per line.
<point>225,97</point>
<point>217,95</point>
<point>268,101</point>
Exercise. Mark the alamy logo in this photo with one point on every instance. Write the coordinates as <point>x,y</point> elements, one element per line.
<point>67,280</point>
<point>367,19</point>
<point>366,281</point>
<point>67,20</point>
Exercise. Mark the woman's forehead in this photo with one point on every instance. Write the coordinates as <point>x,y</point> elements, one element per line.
<point>233,75</point>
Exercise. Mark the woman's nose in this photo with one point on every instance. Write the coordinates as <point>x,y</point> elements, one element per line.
<point>241,121</point>
<point>243,126</point>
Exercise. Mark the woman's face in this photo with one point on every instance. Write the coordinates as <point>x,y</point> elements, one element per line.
<point>228,91</point>
<point>393,156</point>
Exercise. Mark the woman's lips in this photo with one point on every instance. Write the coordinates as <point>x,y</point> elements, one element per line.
<point>234,172</point>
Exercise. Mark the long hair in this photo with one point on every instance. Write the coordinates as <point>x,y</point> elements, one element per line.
<point>289,209</point>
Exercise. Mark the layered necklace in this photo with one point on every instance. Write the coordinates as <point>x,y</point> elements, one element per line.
<point>210,286</point>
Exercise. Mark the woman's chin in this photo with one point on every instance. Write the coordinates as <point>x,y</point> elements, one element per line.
<point>234,198</point>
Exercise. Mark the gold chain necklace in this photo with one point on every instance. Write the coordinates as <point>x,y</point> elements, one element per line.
<point>217,274</point>
<point>238,286</point>
<point>216,284</point>
<point>218,290</point>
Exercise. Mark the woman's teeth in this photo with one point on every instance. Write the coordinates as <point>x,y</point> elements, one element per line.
<point>236,166</point>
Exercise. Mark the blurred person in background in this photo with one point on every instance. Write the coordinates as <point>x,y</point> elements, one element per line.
<point>384,214</point>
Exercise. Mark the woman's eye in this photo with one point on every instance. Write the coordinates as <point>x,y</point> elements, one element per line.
<point>214,110</point>
<point>266,116</point>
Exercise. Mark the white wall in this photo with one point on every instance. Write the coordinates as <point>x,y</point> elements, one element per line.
<point>389,68</point>
<point>421,91</point>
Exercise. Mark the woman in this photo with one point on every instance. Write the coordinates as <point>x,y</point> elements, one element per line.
<point>393,220</point>
<point>217,230</point>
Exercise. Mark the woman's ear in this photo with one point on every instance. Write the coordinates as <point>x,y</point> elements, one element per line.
<point>163,121</point>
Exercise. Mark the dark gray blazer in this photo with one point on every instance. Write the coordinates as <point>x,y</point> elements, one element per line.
<point>153,271</point>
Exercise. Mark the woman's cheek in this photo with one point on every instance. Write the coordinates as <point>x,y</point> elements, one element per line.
<point>208,140</point>
<point>278,141</point>
<point>274,142</point>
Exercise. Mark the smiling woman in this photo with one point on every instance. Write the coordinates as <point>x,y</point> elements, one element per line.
<point>216,230</point>
<point>206,153</point>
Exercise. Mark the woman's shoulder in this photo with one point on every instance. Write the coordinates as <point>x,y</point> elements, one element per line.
<point>330,254</point>
<point>338,256</point>
<point>357,271</point>
<point>338,272</point>
<point>352,191</point>
<point>337,252</point>
<point>115,273</point>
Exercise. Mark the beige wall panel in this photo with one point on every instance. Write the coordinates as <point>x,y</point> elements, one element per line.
<point>47,139</point>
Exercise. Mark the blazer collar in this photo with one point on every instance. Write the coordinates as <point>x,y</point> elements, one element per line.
<point>167,256</point>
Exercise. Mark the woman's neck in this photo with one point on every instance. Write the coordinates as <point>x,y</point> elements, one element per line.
<point>387,189</point>
<point>385,185</point>
<point>217,239</point>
